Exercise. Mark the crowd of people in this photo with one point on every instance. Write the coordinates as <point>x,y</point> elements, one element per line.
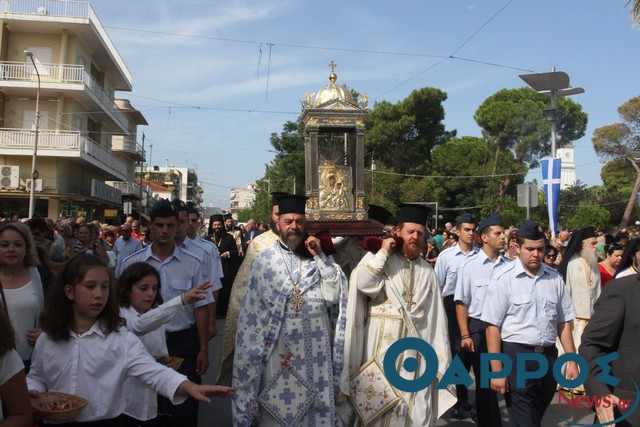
<point>87,308</point>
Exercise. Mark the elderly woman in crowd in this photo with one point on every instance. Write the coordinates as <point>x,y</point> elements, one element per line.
<point>88,241</point>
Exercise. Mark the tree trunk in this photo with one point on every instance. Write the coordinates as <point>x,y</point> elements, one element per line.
<point>503,190</point>
<point>632,199</point>
<point>495,161</point>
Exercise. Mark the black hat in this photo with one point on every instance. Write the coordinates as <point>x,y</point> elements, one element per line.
<point>292,204</point>
<point>227,216</point>
<point>163,209</point>
<point>216,217</point>
<point>588,232</point>
<point>489,221</point>
<point>530,230</point>
<point>465,218</point>
<point>379,214</point>
<point>628,255</point>
<point>191,208</point>
<point>179,204</point>
<point>275,196</point>
<point>416,214</point>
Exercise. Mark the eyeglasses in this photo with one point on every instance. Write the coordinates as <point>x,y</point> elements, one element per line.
<point>550,256</point>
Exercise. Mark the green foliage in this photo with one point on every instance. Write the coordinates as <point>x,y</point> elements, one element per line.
<point>284,172</point>
<point>588,214</point>
<point>618,174</point>
<point>513,120</point>
<point>622,141</point>
<point>512,214</point>
<point>471,156</point>
<point>402,135</point>
<point>381,188</point>
<point>570,200</point>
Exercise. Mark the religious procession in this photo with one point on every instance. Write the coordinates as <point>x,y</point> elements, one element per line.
<point>331,309</point>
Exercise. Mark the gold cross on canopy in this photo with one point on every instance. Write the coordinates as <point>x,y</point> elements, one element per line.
<point>333,65</point>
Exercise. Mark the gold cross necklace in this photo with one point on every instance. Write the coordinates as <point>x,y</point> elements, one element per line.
<point>409,289</point>
<point>297,300</point>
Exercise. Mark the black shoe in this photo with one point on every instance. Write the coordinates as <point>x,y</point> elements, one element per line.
<point>458,414</point>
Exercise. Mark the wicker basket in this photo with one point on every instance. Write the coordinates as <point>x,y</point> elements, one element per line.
<point>58,407</point>
<point>173,362</point>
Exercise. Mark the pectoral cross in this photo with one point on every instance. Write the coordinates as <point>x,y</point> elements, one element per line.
<point>297,301</point>
<point>410,302</point>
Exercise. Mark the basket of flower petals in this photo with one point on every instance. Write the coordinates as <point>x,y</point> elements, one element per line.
<point>173,362</point>
<point>58,407</point>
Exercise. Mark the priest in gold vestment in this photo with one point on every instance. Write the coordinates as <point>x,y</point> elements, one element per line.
<point>393,294</point>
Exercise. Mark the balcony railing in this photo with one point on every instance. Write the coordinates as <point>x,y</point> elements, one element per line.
<point>57,140</point>
<point>128,145</point>
<point>128,188</point>
<point>63,73</point>
<point>74,9</point>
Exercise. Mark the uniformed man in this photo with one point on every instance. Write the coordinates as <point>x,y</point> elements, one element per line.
<point>446,269</point>
<point>526,308</point>
<point>471,287</point>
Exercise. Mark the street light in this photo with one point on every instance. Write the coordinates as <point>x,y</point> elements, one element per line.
<point>552,84</point>
<point>34,172</point>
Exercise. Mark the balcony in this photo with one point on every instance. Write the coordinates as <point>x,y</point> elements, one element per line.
<point>19,142</point>
<point>74,16</point>
<point>128,146</point>
<point>71,9</point>
<point>58,78</point>
<point>129,188</point>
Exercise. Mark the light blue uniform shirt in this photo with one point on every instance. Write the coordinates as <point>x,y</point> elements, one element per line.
<point>473,280</point>
<point>180,272</point>
<point>212,250</point>
<point>209,273</point>
<point>447,265</point>
<point>527,308</point>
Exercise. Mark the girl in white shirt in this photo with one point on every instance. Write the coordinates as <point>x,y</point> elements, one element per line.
<point>15,407</point>
<point>142,307</point>
<point>83,349</point>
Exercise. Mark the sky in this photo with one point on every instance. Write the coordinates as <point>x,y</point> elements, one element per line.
<point>214,78</point>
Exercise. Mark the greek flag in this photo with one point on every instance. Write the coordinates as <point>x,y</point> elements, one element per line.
<point>551,168</point>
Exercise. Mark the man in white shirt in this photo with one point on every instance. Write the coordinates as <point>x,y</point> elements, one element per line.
<point>473,279</point>
<point>125,245</point>
<point>446,269</point>
<point>180,270</point>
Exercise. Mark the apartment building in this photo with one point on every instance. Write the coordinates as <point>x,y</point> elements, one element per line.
<point>85,137</point>
<point>241,198</point>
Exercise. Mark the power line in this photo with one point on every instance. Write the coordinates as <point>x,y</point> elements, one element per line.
<point>451,56</point>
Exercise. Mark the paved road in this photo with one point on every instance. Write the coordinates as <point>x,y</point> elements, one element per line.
<point>218,413</point>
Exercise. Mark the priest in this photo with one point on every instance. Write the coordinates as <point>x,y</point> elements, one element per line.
<point>393,294</point>
<point>287,360</point>
<point>579,268</point>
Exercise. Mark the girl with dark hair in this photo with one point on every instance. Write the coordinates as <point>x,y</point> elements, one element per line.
<point>15,407</point>
<point>145,315</point>
<point>609,265</point>
<point>84,351</point>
